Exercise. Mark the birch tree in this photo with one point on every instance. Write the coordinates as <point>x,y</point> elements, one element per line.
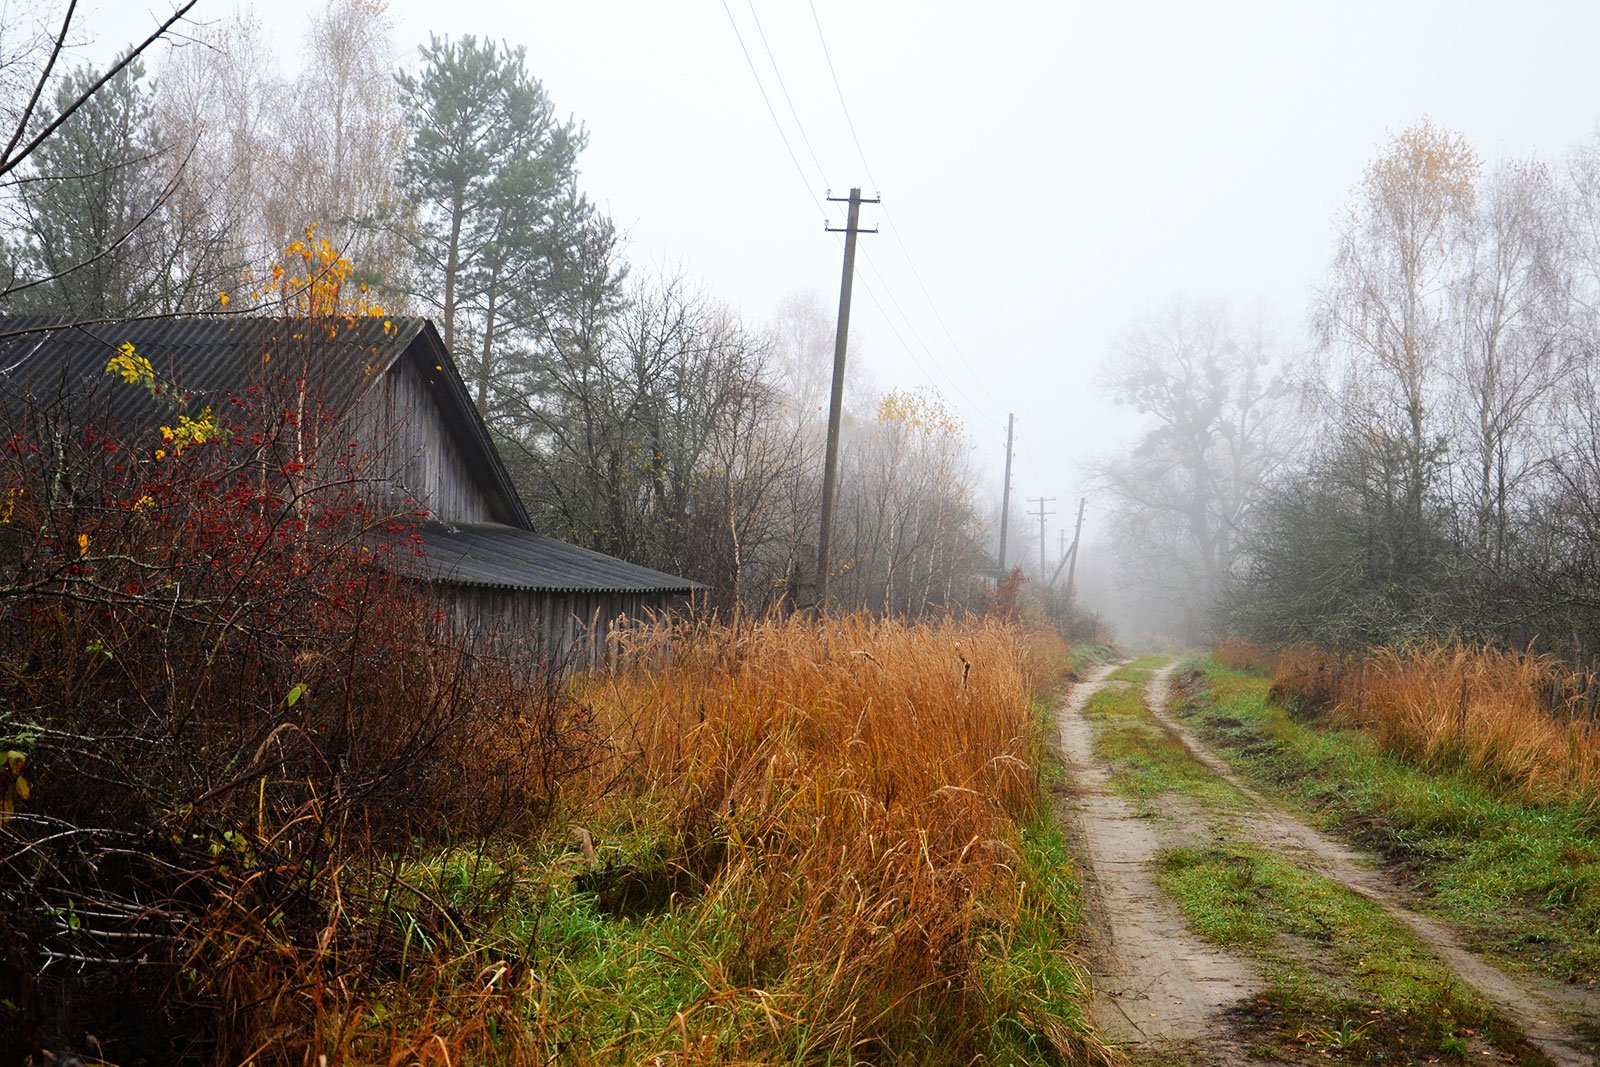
<point>1386,309</point>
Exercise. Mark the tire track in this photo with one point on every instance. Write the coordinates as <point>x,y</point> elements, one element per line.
<point>1155,980</point>
<point>1533,1007</point>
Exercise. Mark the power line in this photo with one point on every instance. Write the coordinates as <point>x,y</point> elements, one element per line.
<point>787,147</point>
<point>894,230</point>
<point>888,216</point>
<point>871,265</point>
<point>1042,515</point>
<point>836,88</point>
<point>841,343</point>
<point>811,194</point>
<point>793,111</point>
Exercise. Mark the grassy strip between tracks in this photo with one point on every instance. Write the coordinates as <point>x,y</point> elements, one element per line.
<point>1522,879</point>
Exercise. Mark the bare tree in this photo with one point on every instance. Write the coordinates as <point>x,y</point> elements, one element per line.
<point>1212,398</point>
<point>909,537</point>
<point>1511,311</point>
<point>341,142</point>
<point>1386,309</point>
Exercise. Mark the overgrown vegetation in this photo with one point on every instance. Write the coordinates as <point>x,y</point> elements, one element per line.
<point>787,842</point>
<point>1515,719</point>
<point>221,708</point>
<point>864,785</point>
<point>1518,869</point>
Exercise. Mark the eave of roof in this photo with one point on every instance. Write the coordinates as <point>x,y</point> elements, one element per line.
<point>496,556</point>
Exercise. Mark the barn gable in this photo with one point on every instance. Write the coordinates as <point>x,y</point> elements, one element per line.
<point>418,422</point>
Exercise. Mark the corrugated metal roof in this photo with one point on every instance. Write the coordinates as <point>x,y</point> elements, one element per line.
<point>50,361</point>
<point>504,557</point>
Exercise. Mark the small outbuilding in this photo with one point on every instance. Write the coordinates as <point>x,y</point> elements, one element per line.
<point>388,394</point>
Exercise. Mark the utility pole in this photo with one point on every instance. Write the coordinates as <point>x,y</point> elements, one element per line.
<point>830,465</point>
<point>1041,514</point>
<point>1005,495</point>
<point>1069,553</point>
<point>1077,539</point>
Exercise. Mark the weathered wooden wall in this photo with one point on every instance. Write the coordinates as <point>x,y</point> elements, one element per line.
<point>409,451</point>
<point>564,630</point>
<point>406,441</point>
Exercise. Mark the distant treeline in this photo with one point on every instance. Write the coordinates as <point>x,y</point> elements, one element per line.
<point>1432,466</point>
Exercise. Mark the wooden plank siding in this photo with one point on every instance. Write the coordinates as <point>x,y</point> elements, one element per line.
<point>421,459</point>
<point>403,434</point>
<point>566,630</point>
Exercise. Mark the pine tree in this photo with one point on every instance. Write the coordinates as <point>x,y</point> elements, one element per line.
<point>79,244</point>
<point>501,230</point>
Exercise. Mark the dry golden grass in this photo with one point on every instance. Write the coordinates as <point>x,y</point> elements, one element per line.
<point>1452,705</point>
<point>1242,654</point>
<point>806,846</point>
<point>860,783</point>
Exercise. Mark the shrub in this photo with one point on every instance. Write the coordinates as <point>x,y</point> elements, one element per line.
<point>1242,654</point>
<point>227,703</point>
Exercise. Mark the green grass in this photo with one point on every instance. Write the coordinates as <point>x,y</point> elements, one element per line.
<point>606,984</point>
<point>1026,971</point>
<point>1523,879</point>
<point>1146,760</point>
<point>1082,657</point>
<point>610,987</point>
<point>1345,978</point>
<point>1138,671</point>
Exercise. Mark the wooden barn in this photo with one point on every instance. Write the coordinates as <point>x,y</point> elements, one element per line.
<point>383,398</point>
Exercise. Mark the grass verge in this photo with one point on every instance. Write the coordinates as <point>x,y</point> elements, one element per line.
<point>1521,878</point>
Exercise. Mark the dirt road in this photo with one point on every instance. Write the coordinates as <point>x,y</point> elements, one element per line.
<point>1158,983</point>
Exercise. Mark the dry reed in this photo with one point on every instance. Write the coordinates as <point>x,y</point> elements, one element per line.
<point>1242,654</point>
<point>1451,705</point>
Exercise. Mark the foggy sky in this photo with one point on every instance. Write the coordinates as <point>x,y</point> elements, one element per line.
<point>1052,168</point>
